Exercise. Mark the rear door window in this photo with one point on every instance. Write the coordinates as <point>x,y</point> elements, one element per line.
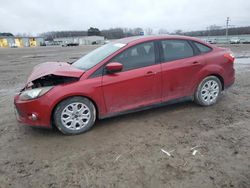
<point>176,49</point>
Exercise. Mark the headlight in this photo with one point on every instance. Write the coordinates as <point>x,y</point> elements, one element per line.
<point>34,93</point>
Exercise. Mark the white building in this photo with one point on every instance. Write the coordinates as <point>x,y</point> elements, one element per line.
<point>81,40</point>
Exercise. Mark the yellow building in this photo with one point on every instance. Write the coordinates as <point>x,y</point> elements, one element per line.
<point>3,43</point>
<point>32,42</point>
<point>10,41</point>
<point>18,42</point>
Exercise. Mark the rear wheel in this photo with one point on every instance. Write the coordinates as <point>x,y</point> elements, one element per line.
<point>74,115</point>
<point>208,91</point>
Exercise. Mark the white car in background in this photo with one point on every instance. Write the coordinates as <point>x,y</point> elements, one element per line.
<point>234,40</point>
<point>212,41</point>
<point>106,41</point>
<point>13,45</point>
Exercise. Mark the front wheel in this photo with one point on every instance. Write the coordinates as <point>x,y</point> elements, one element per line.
<point>208,91</point>
<point>74,115</point>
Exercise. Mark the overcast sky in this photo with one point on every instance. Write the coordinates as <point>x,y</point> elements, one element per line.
<point>37,16</point>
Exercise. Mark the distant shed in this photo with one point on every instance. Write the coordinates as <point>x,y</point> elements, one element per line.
<point>6,41</point>
<point>81,40</point>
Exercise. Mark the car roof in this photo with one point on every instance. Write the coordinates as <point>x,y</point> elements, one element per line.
<point>138,39</point>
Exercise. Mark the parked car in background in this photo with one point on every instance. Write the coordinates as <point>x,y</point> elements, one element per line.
<point>52,43</point>
<point>126,75</point>
<point>13,45</point>
<point>106,41</point>
<point>42,44</point>
<point>212,41</point>
<point>234,40</point>
<point>70,44</point>
<point>245,42</point>
<point>205,40</point>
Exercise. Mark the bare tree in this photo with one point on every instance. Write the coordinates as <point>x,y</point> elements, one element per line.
<point>149,31</point>
<point>23,35</point>
<point>178,32</point>
<point>214,27</point>
<point>6,35</point>
<point>163,31</point>
<point>57,34</point>
<point>113,33</point>
<point>137,31</point>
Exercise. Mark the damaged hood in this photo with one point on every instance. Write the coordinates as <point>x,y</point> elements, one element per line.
<point>54,68</point>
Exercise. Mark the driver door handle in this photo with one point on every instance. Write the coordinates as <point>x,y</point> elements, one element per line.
<point>150,73</point>
<point>195,63</point>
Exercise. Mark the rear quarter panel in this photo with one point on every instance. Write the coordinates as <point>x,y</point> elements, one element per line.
<point>216,64</point>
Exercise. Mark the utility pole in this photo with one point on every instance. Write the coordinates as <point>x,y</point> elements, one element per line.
<point>227,24</point>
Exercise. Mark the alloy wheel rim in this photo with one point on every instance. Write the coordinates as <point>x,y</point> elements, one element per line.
<point>210,91</point>
<point>75,116</point>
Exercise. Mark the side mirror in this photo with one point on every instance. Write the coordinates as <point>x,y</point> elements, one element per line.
<point>113,67</point>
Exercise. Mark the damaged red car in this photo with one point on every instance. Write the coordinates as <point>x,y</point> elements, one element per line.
<point>127,75</point>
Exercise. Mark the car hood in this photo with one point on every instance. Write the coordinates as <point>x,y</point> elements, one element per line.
<point>54,68</point>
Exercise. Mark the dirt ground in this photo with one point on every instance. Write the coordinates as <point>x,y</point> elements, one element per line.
<point>125,151</point>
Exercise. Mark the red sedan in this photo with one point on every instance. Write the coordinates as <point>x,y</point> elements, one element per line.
<point>127,75</point>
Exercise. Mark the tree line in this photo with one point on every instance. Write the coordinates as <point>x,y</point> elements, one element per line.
<point>218,31</point>
<point>113,33</point>
<point>116,33</point>
<point>6,35</point>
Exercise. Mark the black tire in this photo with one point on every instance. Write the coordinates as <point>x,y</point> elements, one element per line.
<point>198,94</point>
<point>72,101</point>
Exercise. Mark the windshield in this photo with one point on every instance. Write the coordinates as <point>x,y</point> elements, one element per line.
<point>93,58</point>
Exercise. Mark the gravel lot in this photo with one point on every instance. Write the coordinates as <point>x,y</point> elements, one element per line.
<point>125,151</point>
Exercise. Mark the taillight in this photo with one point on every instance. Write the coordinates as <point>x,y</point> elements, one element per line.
<point>230,57</point>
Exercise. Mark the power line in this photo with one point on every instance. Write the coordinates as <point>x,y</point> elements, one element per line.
<point>227,24</point>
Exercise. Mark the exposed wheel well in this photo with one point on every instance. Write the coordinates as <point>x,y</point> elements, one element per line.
<point>51,115</point>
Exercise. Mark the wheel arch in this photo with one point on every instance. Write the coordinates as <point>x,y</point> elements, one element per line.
<point>67,97</point>
<point>210,70</point>
<point>197,94</point>
<point>211,74</point>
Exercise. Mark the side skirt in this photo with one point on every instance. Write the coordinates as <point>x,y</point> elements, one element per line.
<point>173,101</point>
